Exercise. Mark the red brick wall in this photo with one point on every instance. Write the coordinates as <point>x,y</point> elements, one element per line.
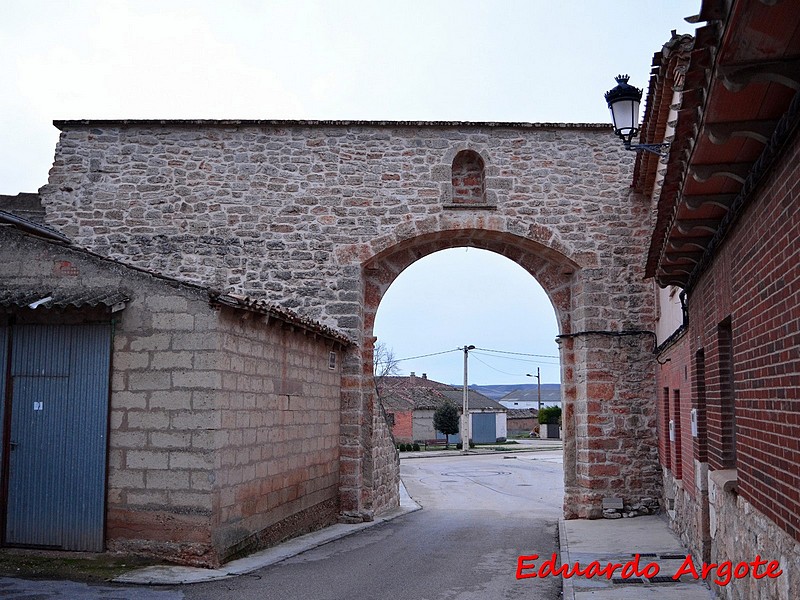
<point>675,401</point>
<point>402,428</point>
<point>755,281</point>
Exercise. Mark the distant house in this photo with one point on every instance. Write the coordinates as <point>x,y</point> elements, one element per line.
<point>410,403</point>
<point>527,397</point>
<point>521,421</point>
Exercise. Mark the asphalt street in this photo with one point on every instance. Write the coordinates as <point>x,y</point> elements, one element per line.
<point>479,514</point>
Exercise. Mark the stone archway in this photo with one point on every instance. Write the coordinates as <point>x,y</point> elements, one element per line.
<point>319,216</point>
<point>606,376</point>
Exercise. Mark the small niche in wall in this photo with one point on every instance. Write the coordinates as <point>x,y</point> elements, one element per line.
<point>468,178</point>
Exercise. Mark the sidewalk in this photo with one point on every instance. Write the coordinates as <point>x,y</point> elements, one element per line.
<point>171,575</point>
<point>534,445</point>
<point>617,541</point>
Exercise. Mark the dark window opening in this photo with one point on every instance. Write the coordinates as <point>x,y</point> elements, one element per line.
<point>727,395</point>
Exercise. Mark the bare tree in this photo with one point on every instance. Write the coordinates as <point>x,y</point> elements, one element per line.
<point>385,364</point>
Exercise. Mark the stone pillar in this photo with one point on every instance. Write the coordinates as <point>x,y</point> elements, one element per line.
<point>610,418</point>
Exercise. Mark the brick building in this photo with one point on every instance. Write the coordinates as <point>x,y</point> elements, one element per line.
<point>725,256</point>
<point>410,403</point>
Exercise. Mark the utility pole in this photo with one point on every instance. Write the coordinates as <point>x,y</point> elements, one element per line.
<point>538,386</point>
<point>465,407</point>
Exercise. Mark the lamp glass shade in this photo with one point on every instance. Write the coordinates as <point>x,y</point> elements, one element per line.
<point>624,100</point>
<point>625,115</point>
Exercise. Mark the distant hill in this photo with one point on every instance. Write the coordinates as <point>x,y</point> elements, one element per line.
<point>495,392</point>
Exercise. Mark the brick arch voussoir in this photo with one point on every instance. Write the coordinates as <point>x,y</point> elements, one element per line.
<point>552,268</point>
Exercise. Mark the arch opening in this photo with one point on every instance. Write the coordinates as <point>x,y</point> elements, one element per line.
<point>606,375</point>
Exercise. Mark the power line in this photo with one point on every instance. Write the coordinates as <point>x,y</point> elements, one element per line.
<point>427,355</point>
<point>498,370</point>
<point>524,360</point>
<point>519,353</point>
<point>485,350</point>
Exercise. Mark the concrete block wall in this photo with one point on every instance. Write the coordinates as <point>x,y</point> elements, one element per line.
<point>224,425</point>
<point>164,427</point>
<point>278,468</point>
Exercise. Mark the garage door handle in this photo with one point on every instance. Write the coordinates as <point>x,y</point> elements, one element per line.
<point>13,445</point>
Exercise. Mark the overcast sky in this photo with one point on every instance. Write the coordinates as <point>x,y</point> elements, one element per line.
<point>525,60</point>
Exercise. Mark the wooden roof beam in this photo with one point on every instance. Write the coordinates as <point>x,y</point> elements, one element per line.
<point>687,226</point>
<point>786,72</point>
<point>761,131</point>
<point>736,171</point>
<point>698,243</point>
<point>673,257</point>
<point>699,201</point>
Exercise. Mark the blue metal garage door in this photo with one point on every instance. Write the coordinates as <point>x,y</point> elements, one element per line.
<point>484,428</point>
<point>59,425</point>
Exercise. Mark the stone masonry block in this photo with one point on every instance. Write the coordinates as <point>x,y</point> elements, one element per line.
<point>147,459</point>
<point>171,360</point>
<point>155,341</point>
<point>196,420</point>
<point>124,361</point>
<point>167,439</point>
<point>148,420</point>
<point>197,379</point>
<point>191,460</point>
<point>195,341</point>
<point>126,479</point>
<point>129,400</point>
<point>170,400</point>
<point>173,304</point>
<point>198,500</point>
<point>173,322</point>
<point>168,480</point>
<point>149,380</point>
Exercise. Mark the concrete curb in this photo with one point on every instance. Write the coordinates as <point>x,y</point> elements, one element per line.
<point>567,589</point>
<point>177,575</point>
<point>440,453</point>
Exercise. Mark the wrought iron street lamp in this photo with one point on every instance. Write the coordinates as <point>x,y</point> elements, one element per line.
<point>624,101</point>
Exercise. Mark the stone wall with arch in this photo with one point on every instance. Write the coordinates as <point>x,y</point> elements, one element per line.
<point>321,216</point>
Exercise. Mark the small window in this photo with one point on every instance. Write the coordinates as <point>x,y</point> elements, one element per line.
<point>468,178</point>
<point>332,361</point>
<point>727,393</point>
<point>676,434</point>
<point>665,428</point>
<point>700,450</point>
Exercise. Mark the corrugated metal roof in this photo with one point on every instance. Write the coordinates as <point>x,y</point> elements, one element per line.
<point>277,312</point>
<point>30,226</point>
<point>44,298</point>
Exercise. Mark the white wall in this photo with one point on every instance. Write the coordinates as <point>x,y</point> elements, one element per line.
<point>670,314</point>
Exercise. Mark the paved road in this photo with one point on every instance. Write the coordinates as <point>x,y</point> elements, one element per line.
<point>480,513</point>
